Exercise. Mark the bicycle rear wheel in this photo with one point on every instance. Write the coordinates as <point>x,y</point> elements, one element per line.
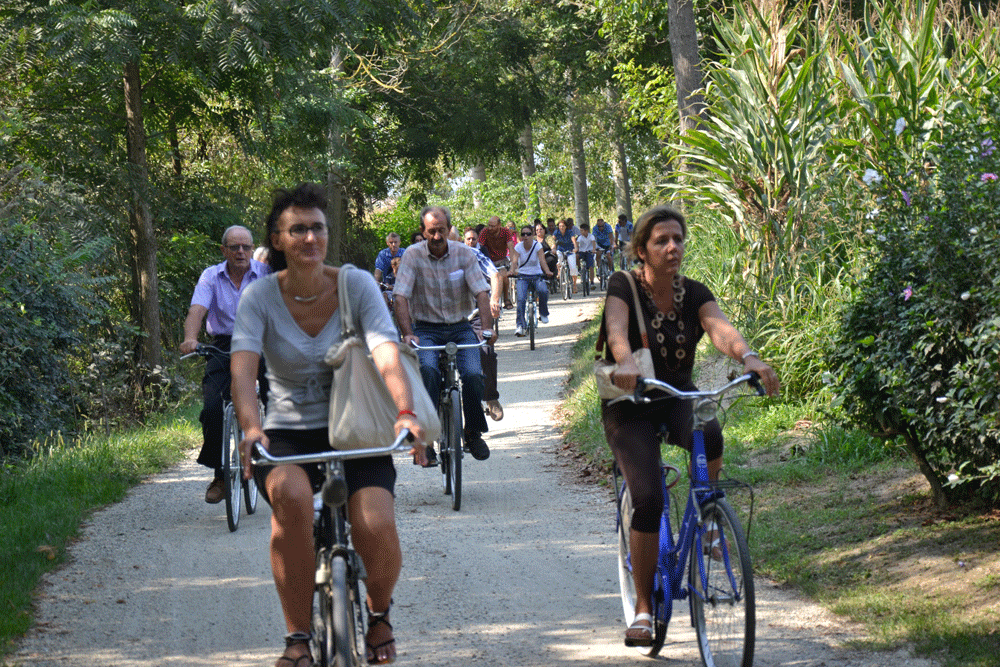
<point>455,450</point>
<point>723,607</point>
<point>231,468</point>
<point>627,583</point>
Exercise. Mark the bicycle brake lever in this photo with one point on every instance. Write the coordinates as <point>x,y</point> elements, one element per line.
<point>754,382</point>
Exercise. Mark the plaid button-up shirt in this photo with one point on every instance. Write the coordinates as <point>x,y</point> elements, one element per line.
<point>440,290</point>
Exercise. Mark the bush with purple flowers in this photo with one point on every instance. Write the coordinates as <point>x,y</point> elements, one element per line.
<point>918,353</point>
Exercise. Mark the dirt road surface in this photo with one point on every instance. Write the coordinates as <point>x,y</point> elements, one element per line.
<point>524,575</point>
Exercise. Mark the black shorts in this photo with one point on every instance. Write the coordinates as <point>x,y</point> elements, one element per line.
<point>358,473</point>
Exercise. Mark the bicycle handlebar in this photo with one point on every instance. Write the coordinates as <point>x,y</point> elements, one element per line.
<point>457,347</point>
<point>643,385</point>
<point>205,350</point>
<point>400,443</point>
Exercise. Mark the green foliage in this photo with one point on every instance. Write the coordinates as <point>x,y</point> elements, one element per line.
<point>44,498</point>
<point>919,350</point>
<point>48,300</point>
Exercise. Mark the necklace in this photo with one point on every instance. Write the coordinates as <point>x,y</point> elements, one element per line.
<point>673,316</point>
<point>305,299</point>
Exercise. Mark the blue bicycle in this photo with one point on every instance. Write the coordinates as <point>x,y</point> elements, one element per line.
<point>707,562</point>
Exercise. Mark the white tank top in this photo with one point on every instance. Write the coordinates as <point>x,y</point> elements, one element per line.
<point>527,260</point>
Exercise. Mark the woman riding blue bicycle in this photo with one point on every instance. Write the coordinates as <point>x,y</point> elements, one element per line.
<point>678,311</point>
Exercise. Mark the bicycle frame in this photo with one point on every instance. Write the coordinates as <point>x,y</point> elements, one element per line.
<point>338,566</point>
<point>675,558</point>
<point>450,413</point>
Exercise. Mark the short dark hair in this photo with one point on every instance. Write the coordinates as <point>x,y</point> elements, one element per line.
<point>622,218</point>
<point>585,225</point>
<point>305,195</point>
<point>434,209</point>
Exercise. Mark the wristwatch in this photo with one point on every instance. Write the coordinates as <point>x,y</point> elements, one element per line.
<point>487,333</point>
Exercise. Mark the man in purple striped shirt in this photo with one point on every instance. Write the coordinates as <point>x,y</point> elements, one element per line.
<point>215,299</point>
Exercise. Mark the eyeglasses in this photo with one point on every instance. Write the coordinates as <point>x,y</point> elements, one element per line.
<point>236,247</point>
<point>299,231</point>
<point>526,233</point>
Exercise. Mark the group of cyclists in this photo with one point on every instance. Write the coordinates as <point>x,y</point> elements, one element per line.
<point>283,313</point>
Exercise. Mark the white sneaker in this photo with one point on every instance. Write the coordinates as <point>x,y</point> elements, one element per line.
<point>519,332</point>
<point>543,319</point>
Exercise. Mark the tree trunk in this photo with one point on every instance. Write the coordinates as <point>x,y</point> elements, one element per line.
<point>478,174</point>
<point>619,161</point>
<point>531,203</point>
<point>336,181</point>
<point>145,303</point>
<point>937,489</point>
<point>336,214</point>
<point>581,208</point>
<point>687,59</point>
<point>175,147</point>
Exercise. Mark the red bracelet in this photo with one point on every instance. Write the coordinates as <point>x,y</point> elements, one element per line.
<point>406,412</point>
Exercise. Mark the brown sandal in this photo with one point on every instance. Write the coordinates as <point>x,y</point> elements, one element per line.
<point>374,620</point>
<point>292,639</point>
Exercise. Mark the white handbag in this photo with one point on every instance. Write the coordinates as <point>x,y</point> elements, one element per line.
<point>362,412</point>
<point>604,370</point>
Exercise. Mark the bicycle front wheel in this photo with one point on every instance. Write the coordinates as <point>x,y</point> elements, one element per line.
<point>627,583</point>
<point>723,607</point>
<point>455,450</point>
<point>231,469</point>
<point>532,317</point>
<point>250,492</point>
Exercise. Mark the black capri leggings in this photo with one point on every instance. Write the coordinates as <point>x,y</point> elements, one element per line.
<point>634,436</point>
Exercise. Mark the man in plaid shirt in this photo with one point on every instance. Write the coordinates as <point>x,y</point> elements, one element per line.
<point>438,284</point>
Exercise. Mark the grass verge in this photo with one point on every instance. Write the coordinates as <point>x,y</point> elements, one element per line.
<point>843,518</point>
<point>44,500</point>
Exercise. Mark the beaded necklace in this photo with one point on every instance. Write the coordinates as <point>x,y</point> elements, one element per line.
<point>673,316</point>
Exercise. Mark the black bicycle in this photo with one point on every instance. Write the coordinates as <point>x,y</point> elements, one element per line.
<point>565,279</point>
<point>531,309</point>
<point>605,268</point>
<point>450,413</point>
<point>583,262</point>
<point>338,618</point>
<point>236,490</point>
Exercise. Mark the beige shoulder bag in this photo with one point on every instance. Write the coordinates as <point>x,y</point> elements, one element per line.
<point>604,370</point>
<point>362,412</point>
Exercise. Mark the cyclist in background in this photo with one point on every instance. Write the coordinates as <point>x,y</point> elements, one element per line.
<point>565,237</point>
<point>214,302</point>
<point>497,242</point>
<point>604,237</point>
<point>438,284</point>
<point>585,246</point>
<point>548,247</point>
<point>623,232</point>
<point>529,263</point>
<point>488,354</point>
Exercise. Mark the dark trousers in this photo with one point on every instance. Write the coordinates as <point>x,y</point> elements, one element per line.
<point>215,393</point>
<point>469,369</point>
<point>488,359</point>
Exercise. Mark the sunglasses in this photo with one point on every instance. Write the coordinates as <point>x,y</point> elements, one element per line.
<point>236,247</point>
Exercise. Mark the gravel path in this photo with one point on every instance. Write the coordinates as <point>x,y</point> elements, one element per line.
<point>525,574</point>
